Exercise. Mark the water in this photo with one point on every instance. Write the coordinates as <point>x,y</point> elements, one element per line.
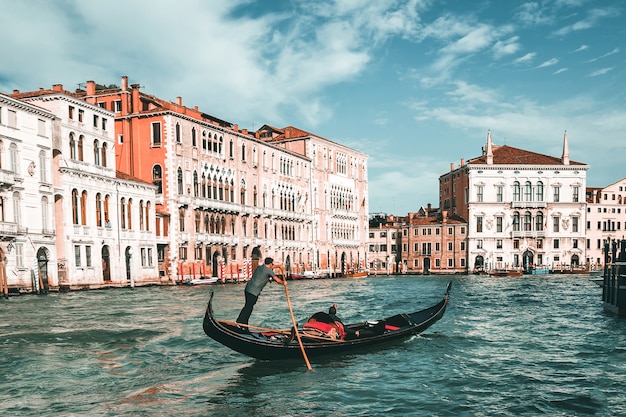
<point>538,345</point>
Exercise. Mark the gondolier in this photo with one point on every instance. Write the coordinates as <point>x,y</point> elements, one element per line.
<point>262,275</point>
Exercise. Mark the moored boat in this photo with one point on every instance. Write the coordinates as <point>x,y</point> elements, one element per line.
<point>272,344</point>
<point>505,273</point>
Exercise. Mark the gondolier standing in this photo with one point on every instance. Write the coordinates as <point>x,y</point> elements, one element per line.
<point>260,278</point>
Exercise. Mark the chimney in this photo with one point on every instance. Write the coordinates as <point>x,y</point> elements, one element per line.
<point>236,128</point>
<point>565,156</point>
<point>91,88</point>
<point>124,83</point>
<point>462,162</point>
<point>489,149</point>
<point>444,214</point>
<point>451,166</point>
<point>15,92</point>
<point>57,87</point>
<point>135,101</point>
<point>244,131</point>
<point>179,100</point>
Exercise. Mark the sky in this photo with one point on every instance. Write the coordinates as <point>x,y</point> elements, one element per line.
<point>414,84</point>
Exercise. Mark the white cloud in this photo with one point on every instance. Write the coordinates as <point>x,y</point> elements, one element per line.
<point>560,70</point>
<point>526,58</point>
<point>601,71</point>
<point>581,48</point>
<point>548,63</point>
<point>506,47</point>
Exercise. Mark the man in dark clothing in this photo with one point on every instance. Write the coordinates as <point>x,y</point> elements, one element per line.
<point>262,275</point>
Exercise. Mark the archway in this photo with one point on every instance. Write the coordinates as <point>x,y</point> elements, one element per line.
<point>528,259</point>
<point>288,266</point>
<point>106,264</point>
<point>575,260</point>
<point>42,268</point>
<point>426,269</point>
<point>128,254</point>
<point>215,262</point>
<point>479,262</point>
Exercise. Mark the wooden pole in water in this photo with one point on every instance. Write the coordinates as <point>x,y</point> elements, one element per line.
<point>295,325</point>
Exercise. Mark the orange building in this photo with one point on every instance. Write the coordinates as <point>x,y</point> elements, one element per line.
<point>227,197</point>
<point>434,243</point>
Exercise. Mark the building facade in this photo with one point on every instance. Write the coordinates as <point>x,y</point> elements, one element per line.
<point>605,220</point>
<point>27,224</point>
<point>524,209</point>
<point>104,221</point>
<point>433,242</point>
<point>384,239</point>
<point>227,197</point>
<point>338,188</point>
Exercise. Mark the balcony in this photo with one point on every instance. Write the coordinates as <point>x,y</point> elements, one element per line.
<point>528,204</point>
<point>7,178</point>
<point>534,234</point>
<point>9,231</point>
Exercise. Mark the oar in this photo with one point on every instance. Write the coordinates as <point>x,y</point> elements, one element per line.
<point>295,327</point>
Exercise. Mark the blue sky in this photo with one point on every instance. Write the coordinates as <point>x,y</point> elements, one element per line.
<point>415,84</point>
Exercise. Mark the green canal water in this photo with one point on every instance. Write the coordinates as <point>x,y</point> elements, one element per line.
<point>537,345</point>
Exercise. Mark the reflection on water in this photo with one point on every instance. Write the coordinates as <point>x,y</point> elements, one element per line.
<point>506,346</point>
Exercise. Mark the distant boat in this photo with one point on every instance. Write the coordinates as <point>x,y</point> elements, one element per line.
<point>356,274</point>
<point>541,271</point>
<point>308,275</point>
<point>505,273</point>
<point>202,281</point>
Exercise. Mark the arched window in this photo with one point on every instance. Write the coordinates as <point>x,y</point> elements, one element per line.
<point>180,181</point>
<point>255,196</point>
<point>107,221</point>
<point>516,220</point>
<point>194,139</point>
<point>130,213</point>
<point>242,188</point>
<point>73,154</point>
<point>516,191</point>
<point>105,148</point>
<point>147,216</point>
<point>123,213</point>
<point>528,221</point>
<point>81,143</point>
<point>83,208</point>
<point>539,221</point>
<point>98,210</point>
<point>96,152</point>
<point>157,178</point>
<point>195,184</point>
<point>14,158</point>
<point>181,219</point>
<point>528,191</point>
<point>178,138</point>
<point>141,213</point>
<point>44,214</point>
<point>75,205</point>
<point>17,211</point>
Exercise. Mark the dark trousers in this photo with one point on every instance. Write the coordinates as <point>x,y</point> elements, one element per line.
<point>246,311</point>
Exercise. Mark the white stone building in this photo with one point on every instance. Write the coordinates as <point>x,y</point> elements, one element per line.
<point>338,188</point>
<point>524,209</point>
<point>605,220</point>
<point>27,248</point>
<point>104,220</point>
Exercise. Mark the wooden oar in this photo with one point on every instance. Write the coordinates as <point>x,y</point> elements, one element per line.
<point>295,326</point>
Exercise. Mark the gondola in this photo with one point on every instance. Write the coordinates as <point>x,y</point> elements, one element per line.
<point>271,344</point>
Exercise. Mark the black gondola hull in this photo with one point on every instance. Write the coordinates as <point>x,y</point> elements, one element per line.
<point>279,346</point>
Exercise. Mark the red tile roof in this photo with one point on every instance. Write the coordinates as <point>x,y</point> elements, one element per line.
<point>508,155</point>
